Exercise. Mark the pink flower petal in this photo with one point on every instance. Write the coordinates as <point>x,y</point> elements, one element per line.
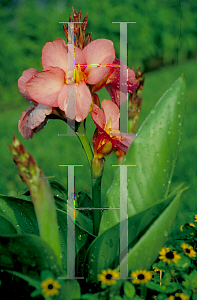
<point>111,110</point>
<point>62,98</point>
<point>83,102</point>
<point>57,53</point>
<point>98,117</point>
<point>27,74</point>
<point>79,96</point>
<point>97,53</point>
<point>54,54</point>
<point>45,86</point>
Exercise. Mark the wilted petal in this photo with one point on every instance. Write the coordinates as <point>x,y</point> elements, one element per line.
<point>38,115</point>
<point>25,131</point>
<point>33,119</point>
<point>45,86</point>
<point>98,54</point>
<point>27,75</point>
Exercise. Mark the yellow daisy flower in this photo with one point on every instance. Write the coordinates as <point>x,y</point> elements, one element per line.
<point>108,277</point>
<point>188,250</point>
<point>157,269</point>
<point>190,224</point>
<point>141,276</point>
<point>179,297</point>
<point>167,255</point>
<point>181,227</point>
<point>50,287</point>
<point>195,218</point>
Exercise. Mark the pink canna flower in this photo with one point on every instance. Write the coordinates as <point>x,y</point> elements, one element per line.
<point>53,85</point>
<point>34,118</point>
<point>113,84</point>
<point>107,137</point>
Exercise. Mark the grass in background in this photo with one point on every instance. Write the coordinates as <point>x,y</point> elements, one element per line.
<point>51,150</point>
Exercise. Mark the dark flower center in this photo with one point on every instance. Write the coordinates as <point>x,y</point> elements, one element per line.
<point>50,286</point>
<point>170,255</point>
<point>141,276</point>
<point>187,250</point>
<point>108,276</point>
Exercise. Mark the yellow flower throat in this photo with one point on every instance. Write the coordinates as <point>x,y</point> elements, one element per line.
<point>75,76</point>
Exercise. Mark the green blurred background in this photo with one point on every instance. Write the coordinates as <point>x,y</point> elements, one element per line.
<point>163,43</point>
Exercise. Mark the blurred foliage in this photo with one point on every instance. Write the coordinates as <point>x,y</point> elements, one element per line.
<point>165,33</point>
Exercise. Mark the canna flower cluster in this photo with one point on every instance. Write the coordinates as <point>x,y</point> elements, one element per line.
<point>66,87</point>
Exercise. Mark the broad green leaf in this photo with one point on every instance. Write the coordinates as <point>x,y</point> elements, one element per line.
<point>70,290</point>
<point>146,250</point>
<point>147,233</point>
<point>27,254</point>
<point>129,289</point>
<point>171,288</point>
<point>6,227</point>
<point>20,213</point>
<point>154,152</point>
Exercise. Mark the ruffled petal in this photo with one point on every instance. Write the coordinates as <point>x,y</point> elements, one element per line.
<point>98,53</point>
<point>27,75</point>
<point>54,54</point>
<point>58,54</point>
<point>45,86</point>
<point>98,117</point>
<point>111,110</point>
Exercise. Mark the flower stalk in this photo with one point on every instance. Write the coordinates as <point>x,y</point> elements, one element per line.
<point>41,195</point>
<point>81,133</point>
<point>96,172</point>
<point>96,197</point>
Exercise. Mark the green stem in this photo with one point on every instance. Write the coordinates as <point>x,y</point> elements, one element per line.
<point>96,177</point>
<point>96,197</point>
<point>81,133</point>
